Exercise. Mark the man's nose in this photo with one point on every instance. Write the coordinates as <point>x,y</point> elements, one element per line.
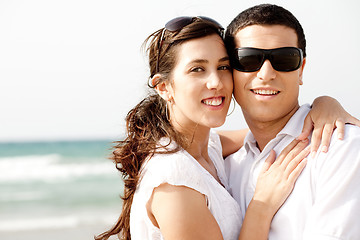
<point>266,72</point>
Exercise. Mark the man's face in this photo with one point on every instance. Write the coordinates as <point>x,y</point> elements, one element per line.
<point>267,95</point>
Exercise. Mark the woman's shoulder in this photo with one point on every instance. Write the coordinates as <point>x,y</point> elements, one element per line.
<point>169,164</point>
<point>177,169</point>
<point>180,162</point>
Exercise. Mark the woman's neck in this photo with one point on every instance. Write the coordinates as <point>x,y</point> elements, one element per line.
<point>198,149</point>
<point>198,140</point>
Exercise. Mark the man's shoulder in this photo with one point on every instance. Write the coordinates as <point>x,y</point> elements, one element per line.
<point>237,156</point>
<point>237,163</point>
<point>351,135</point>
<point>352,131</point>
<point>346,149</point>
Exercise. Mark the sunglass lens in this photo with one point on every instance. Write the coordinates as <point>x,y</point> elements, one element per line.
<point>248,60</point>
<point>286,59</point>
<point>178,23</point>
<point>210,20</point>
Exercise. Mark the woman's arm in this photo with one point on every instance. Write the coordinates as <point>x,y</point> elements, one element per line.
<point>274,185</point>
<point>232,140</point>
<point>182,213</point>
<point>326,115</point>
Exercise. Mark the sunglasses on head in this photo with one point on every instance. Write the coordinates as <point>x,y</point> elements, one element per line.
<point>177,24</point>
<point>285,59</point>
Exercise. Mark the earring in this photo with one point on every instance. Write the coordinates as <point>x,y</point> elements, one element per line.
<point>166,109</point>
<point>166,112</point>
<point>233,100</point>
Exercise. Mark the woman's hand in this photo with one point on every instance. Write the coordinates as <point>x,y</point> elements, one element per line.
<point>274,185</point>
<point>326,115</point>
<point>277,177</point>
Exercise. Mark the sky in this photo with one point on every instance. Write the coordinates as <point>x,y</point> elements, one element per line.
<point>72,69</point>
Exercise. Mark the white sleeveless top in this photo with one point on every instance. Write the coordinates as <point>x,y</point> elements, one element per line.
<point>181,169</point>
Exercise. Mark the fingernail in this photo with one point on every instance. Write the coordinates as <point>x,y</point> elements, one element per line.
<point>324,149</point>
<point>340,136</point>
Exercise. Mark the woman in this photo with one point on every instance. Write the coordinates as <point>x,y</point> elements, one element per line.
<point>171,160</point>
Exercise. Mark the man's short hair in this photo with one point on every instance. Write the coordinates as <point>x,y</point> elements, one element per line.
<point>264,14</point>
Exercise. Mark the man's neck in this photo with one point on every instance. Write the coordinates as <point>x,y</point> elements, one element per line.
<point>265,131</point>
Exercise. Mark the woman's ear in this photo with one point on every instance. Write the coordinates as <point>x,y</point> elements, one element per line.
<point>163,88</point>
<point>155,80</point>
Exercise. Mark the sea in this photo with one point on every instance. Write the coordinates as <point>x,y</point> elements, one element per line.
<point>58,190</point>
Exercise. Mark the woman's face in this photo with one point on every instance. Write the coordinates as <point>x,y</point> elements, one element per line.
<point>201,84</point>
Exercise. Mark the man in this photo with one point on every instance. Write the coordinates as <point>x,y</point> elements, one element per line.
<point>267,46</point>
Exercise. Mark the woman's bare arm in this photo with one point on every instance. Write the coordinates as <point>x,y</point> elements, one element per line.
<point>326,115</point>
<point>232,140</point>
<point>181,213</point>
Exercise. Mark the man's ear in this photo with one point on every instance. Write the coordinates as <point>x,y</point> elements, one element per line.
<point>163,88</point>
<point>302,71</point>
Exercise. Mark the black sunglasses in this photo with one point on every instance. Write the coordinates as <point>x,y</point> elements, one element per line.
<point>177,24</point>
<point>285,59</point>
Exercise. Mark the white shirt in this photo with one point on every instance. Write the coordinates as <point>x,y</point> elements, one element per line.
<point>325,203</point>
<point>181,169</point>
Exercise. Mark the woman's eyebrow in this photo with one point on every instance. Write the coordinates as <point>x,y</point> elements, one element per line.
<point>199,61</point>
<point>224,59</point>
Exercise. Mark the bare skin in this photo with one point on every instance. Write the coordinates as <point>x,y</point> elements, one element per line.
<point>326,115</point>
<point>198,99</point>
<point>182,213</point>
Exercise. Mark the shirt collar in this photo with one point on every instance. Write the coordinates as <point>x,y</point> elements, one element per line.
<point>293,128</point>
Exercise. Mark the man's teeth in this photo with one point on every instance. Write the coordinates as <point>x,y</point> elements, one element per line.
<point>213,101</point>
<point>265,92</point>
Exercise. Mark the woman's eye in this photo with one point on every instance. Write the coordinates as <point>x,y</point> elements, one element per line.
<point>225,67</point>
<point>197,69</point>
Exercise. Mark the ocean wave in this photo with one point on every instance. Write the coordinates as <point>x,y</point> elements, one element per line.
<point>49,168</point>
<point>22,196</point>
<point>59,222</point>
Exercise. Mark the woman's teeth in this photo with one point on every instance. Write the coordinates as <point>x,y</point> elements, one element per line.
<point>213,101</point>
